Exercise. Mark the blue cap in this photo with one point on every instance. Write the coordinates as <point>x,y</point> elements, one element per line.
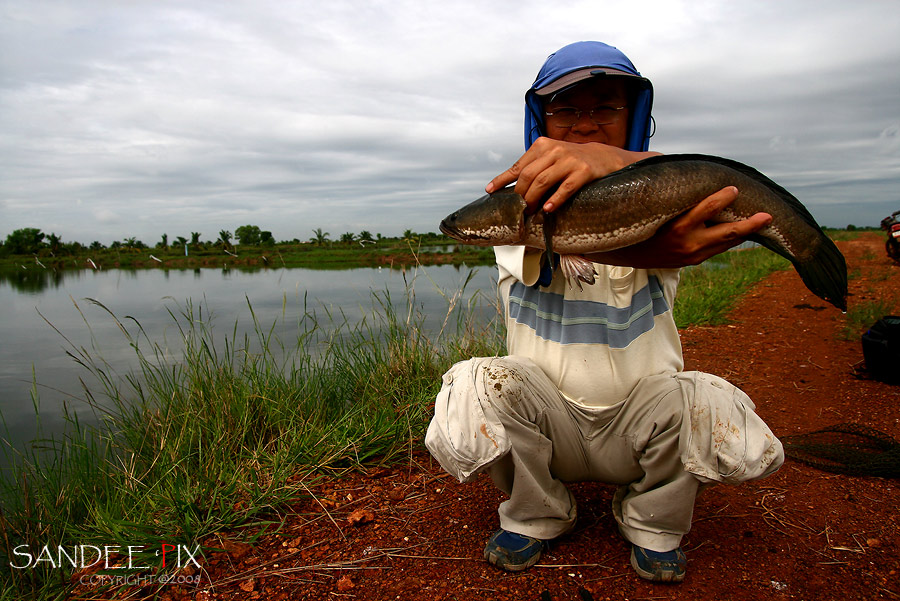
<point>577,62</point>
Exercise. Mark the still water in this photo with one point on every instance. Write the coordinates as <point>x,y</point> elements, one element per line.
<point>43,314</point>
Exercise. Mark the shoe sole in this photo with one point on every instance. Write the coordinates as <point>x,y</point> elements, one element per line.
<point>498,560</point>
<point>667,576</point>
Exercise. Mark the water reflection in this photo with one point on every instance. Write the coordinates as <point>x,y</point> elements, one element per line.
<point>32,279</point>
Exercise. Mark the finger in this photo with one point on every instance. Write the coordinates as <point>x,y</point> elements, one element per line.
<point>710,206</point>
<point>538,178</point>
<point>504,179</point>
<point>729,234</point>
<point>558,180</point>
<point>752,224</point>
<point>514,173</point>
<point>566,189</point>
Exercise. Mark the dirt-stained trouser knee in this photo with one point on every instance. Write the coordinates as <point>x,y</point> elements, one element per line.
<point>504,416</point>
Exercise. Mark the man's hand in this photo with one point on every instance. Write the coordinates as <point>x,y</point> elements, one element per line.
<point>687,239</point>
<point>564,166</point>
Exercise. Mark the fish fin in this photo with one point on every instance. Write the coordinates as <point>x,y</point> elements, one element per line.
<point>824,272</point>
<point>548,226</point>
<point>577,269</point>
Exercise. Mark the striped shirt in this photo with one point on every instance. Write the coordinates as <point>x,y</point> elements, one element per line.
<point>595,343</point>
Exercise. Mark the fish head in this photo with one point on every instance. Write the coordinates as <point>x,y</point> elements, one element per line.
<point>494,219</point>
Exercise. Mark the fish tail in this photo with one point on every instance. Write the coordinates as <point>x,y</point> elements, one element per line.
<point>825,274</point>
<point>824,271</point>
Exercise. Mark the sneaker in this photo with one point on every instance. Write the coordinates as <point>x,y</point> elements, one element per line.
<point>513,552</point>
<point>668,566</point>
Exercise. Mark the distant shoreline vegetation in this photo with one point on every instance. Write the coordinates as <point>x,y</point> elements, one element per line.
<point>29,249</point>
<point>248,247</point>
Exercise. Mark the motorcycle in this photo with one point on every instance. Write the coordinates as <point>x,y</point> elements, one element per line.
<point>892,226</point>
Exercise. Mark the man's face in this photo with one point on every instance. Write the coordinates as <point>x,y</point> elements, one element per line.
<point>606,92</point>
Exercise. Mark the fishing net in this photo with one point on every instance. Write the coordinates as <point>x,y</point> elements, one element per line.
<point>850,449</point>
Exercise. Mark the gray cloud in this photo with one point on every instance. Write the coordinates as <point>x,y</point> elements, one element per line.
<point>140,118</point>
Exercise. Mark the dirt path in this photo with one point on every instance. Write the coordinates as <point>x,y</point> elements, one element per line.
<point>414,533</point>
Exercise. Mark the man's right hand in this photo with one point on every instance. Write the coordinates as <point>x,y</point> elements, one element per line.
<point>565,166</point>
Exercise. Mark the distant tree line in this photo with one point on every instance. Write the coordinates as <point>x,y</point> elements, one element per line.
<point>32,241</point>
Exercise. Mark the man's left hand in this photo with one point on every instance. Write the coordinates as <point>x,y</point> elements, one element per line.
<point>688,239</point>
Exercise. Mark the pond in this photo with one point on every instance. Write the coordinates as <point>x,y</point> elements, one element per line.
<point>46,313</point>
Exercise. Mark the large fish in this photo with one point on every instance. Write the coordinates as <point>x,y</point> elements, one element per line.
<point>629,205</point>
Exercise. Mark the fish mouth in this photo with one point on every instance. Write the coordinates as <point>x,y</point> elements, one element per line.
<point>467,236</point>
<point>449,230</point>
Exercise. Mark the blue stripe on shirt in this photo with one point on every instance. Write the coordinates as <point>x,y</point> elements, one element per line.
<point>569,321</point>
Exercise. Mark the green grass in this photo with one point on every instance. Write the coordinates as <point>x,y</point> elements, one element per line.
<point>845,234</point>
<point>860,316</point>
<point>709,291</point>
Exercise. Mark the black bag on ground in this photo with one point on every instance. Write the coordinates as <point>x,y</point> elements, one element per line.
<point>881,349</point>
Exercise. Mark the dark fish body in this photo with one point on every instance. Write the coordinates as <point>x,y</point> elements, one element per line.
<point>629,205</point>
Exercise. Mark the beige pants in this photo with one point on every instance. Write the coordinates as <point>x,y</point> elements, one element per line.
<point>673,433</point>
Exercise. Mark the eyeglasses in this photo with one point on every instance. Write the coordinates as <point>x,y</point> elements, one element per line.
<point>568,116</point>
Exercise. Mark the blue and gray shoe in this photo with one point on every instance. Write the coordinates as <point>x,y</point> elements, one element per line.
<point>513,552</point>
<point>668,566</point>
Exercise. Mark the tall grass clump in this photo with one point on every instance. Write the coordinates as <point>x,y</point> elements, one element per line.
<point>707,292</point>
<point>238,425</point>
<point>863,314</point>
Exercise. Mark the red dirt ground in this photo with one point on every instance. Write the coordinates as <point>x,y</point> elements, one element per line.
<point>412,532</point>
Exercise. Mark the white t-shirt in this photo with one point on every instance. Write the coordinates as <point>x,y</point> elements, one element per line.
<point>595,344</point>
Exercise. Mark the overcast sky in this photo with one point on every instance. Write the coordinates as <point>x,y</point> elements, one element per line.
<point>137,118</point>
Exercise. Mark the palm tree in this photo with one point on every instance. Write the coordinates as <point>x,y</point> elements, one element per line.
<point>195,239</point>
<point>53,240</point>
<point>348,237</point>
<point>225,237</point>
<point>320,238</point>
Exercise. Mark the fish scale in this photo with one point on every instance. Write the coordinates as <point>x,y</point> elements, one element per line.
<point>628,206</point>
